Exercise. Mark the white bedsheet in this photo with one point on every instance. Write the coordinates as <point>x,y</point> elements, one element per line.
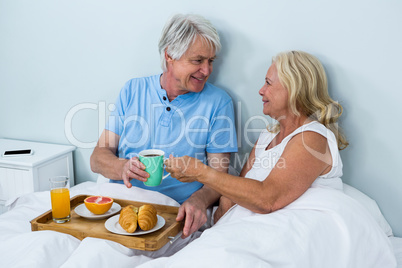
<point>323,228</point>
<point>20,247</point>
<point>397,245</point>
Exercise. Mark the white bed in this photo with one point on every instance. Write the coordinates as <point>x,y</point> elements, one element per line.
<point>323,228</point>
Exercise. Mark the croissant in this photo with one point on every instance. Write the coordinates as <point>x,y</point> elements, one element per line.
<point>147,218</point>
<point>128,218</point>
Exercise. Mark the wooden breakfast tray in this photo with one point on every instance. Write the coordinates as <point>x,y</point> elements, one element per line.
<point>81,227</point>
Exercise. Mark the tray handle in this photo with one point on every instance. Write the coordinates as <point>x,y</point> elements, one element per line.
<point>174,238</point>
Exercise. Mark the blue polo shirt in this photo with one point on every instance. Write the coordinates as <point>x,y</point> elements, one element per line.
<point>192,124</point>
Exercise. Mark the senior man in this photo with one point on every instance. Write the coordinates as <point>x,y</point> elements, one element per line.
<point>177,112</point>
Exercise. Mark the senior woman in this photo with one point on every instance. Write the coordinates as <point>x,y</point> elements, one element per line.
<point>302,149</point>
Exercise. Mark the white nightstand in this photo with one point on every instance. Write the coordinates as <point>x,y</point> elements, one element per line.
<point>25,174</point>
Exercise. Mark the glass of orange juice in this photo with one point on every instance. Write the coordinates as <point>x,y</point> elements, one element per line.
<point>60,197</point>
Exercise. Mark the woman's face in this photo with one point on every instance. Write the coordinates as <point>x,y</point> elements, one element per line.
<point>274,95</point>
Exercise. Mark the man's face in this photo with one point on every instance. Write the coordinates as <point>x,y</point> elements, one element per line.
<point>192,70</point>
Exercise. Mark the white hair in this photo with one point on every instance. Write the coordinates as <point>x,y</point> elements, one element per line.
<point>180,33</point>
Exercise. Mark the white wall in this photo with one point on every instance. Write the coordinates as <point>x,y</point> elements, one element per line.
<point>57,56</point>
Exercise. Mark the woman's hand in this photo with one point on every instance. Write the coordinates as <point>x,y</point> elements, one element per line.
<point>224,205</point>
<point>186,168</point>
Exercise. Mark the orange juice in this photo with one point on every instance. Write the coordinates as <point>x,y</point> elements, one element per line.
<point>60,202</point>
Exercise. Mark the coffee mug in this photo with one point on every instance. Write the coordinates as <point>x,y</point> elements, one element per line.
<point>153,161</point>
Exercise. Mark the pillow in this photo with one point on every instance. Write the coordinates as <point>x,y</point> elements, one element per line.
<point>371,207</point>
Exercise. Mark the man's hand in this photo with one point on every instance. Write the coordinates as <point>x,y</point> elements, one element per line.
<point>133,169</point>
<point>194,213</point>
<point>188,169</point>
<point>104,161</point>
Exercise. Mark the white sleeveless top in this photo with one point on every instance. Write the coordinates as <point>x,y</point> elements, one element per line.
<point>265,160</point>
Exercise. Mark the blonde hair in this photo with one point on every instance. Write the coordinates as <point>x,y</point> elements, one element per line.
<point>304,77</point>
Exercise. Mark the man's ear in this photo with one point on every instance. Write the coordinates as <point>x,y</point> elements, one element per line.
<point>168,58</point>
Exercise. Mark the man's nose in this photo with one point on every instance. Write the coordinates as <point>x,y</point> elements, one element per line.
<point>206,68</point>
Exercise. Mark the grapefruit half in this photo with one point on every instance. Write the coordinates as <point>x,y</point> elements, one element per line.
<point>98,204</point>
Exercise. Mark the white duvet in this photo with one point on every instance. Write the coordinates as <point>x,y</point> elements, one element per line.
<point>323,228</point>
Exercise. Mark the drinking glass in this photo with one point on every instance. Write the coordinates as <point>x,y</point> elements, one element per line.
<point>60,197</point>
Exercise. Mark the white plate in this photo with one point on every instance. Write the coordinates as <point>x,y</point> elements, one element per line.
<point>84,212</point>
<point>113,225</point>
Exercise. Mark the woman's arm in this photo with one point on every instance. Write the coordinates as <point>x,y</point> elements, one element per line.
<point>225,203</point>
<point>249,164</point>
<point>294,173</point>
